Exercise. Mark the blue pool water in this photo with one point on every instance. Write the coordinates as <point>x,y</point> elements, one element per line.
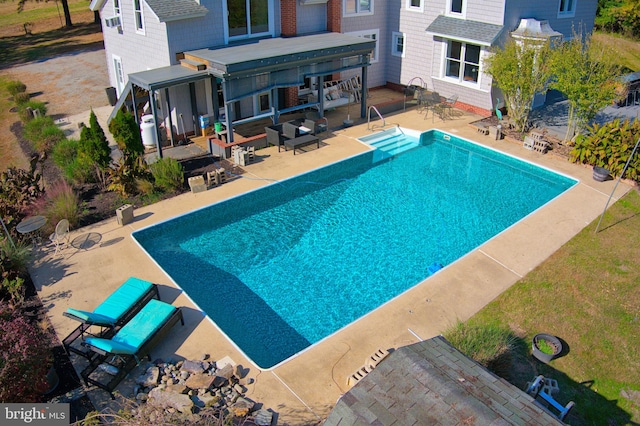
<point>280,268</point>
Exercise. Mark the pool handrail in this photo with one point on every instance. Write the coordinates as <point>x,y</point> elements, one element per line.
<point>373,107</point>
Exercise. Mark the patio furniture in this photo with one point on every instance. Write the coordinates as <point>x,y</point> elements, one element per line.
<point>29,227</point>
<point>309,127</point>
<point>60,236</point>
<point>301,141</point>
<point>114,312</point>
<point>123,352</point>
<point>290,130</point>
<point>274,137</point>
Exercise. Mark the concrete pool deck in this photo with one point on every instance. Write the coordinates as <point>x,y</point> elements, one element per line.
<point>304,389</point>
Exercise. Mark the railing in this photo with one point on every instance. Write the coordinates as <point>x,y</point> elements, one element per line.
<point>372,107</point>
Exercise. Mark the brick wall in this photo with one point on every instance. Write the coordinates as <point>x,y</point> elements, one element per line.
<point>473,109</point>
<point>288,18</point>
<point>334,16</point>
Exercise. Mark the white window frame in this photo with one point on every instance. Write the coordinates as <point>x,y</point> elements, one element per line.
<point>461,14</point>
<point>270,18</point>
<point>569,7</point>
<point>460,79</point>
<point>359,11</point>
<point>118,72</point>
<point>419,8</point>
<point>138,12</point>
<point>367,34</point>
<point>117,9</point>
<point>395,35</point>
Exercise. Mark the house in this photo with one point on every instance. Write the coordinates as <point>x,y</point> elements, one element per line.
<point>237,60</point>
<point>432,383</point>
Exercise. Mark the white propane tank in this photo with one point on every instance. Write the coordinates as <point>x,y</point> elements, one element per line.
<point>148,130</point>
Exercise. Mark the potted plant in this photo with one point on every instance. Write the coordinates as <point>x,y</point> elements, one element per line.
<point>545,347</point>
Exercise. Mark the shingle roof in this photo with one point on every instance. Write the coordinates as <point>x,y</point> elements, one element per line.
<point>433,383</point>
<point>465,30</point>
<point>174,10</point>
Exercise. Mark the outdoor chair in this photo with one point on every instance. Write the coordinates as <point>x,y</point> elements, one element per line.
<point>60,236</point>
<point>310,124</point>
<point>447,106</point>
<point>122,305</point>
<point>123,352</point>
<point>290,130</point>
<point>274,137</point>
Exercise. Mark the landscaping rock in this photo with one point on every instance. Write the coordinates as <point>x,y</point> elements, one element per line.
<point>263,417</point>
<point>200,381</point>
<point>193,367</point>
<point>149,378</point>
<point>170,400</point>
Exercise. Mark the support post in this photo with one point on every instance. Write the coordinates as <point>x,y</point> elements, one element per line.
<point>363,94</point>
<point>154,111</point>
<point>166,94</point>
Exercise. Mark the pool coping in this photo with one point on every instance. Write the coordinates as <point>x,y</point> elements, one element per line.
<point>305,389</point>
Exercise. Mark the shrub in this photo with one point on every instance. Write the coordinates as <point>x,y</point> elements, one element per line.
<point>144,186</point>
<point>23,109</point>
<point>65,156</point>
<point>15,87</point>
<point>489,345</point>
<point>18,189</point>
<point>21,98</point>
<point>126,132</point>
<point>61,202</point>
<point>25,358</point>
<point>93,149</point>
<point>609,146</point>
<point>13,266</point>
<point>43,133</point>
<point>168,174</point>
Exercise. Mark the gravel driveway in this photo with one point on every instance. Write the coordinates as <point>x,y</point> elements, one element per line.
<point>70,84</point>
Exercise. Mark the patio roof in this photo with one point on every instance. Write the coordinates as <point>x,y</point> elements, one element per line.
<point>160,78</point>
<point>465,30</point>
<point>431,382</point>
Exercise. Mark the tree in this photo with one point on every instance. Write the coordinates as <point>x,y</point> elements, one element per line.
<point>520,70</point>
<point>586,77</point>
<point>65,9</point>
<point>131,168</point>
<point>93,148</point>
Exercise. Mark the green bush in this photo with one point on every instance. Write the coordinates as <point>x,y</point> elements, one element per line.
<point>490,345</point>
<point>609,146</point>
<point>35,106</point>
<point>21,98</point>
<point>65,156</point>
<point>15,87</point>
<point>168,174</point>
<point>42,133</point>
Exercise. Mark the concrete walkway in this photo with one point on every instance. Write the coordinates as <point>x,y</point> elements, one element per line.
<point>304,389</point>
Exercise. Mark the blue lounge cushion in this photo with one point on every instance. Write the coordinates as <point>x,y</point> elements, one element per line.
<point>121,300</point>
<point>136,332</point>
<point>91,317</point>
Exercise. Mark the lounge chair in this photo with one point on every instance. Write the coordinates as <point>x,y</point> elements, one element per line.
<point>274,137</point>
<point>123,352</point>
<point>111,314</point>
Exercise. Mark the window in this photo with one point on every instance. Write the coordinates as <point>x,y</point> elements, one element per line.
<point>357,7</point>
<point>116,7</point>
<point>456,8</point>
<point>137,12</point>
<point>415,5</point>
<point>249,18</point>
<point>462,61</point>
<point>397,44</point>
<point>264,102</point>
<point>567,8</point>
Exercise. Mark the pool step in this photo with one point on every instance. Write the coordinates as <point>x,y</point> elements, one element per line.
<point>389,147</point>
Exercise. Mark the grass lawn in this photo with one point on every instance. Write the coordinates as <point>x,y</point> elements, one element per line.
<point>587,294</point>
<point>624,51</point>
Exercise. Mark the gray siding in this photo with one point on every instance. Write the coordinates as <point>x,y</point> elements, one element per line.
<point>311,18</point>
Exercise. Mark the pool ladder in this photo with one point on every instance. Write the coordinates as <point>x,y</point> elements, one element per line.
<point>384,122</point>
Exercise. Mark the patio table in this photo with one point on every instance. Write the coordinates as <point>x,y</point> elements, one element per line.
<point>30,225</point>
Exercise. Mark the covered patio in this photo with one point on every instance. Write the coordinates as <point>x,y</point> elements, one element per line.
<point>276,66</point>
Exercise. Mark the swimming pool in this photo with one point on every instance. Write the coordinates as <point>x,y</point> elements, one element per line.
<point>281,268</point>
